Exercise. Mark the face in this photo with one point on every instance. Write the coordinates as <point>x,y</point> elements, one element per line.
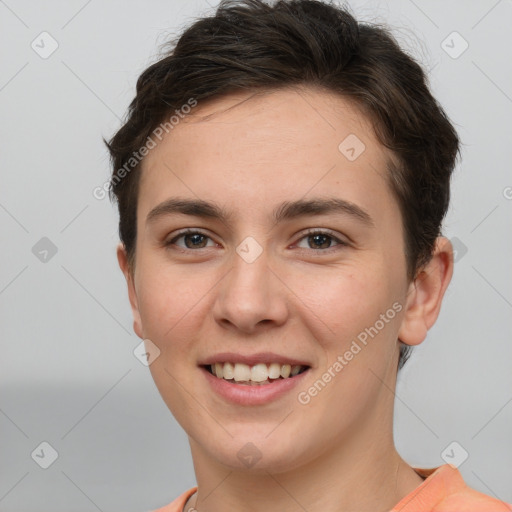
<point>293,261</point>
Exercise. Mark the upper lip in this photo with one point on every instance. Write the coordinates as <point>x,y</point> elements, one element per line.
<point>252,359</point>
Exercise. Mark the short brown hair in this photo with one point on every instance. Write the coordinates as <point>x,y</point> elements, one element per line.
<point>249,45</point>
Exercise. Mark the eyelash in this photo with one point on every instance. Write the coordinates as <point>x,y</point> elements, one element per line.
<point>309,233</point>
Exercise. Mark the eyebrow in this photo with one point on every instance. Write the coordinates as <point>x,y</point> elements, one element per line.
<point>285,211</point>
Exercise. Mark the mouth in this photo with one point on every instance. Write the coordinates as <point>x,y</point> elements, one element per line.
<point>259,374</point>
<point>254,379</point>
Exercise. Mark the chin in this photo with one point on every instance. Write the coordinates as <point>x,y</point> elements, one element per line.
<point>258,453</point>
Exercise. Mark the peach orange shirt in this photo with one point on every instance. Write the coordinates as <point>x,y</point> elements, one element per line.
<point>443,490</point>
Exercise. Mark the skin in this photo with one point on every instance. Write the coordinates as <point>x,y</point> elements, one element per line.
<point>298,298</point>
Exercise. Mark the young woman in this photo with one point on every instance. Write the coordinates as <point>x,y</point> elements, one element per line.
<point>281,179</point>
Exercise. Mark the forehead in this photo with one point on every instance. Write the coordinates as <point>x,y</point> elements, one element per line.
<point>254,146</point>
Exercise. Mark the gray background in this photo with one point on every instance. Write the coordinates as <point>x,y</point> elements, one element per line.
<point>68,373</point>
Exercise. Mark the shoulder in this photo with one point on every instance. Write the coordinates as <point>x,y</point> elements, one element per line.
<point>178,504</point>
<point>444,490</point>
<point>469,500</point>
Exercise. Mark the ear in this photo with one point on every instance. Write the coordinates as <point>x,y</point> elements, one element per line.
<point>122,258</point>
<point>425,294</point>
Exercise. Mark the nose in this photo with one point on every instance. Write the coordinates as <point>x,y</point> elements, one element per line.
<point>251,297</point>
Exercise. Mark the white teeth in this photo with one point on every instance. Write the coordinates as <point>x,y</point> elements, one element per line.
<point>274,371</point>
<point>228,371</point>
<point>260,372</point>
<point>242,372</point>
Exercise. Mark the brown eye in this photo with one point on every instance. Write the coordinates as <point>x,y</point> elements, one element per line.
<point>321,241</point>
<point>192,240</point>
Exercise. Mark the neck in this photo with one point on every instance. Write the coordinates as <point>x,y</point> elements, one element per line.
<point>364,473</point>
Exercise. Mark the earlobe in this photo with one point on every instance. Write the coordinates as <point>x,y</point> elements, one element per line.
<point>426,293</point>
<point>122,258</point>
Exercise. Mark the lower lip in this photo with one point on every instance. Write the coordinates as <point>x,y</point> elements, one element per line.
<point>243,394</point>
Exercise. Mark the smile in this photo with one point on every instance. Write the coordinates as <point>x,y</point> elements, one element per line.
<point>258,374</point>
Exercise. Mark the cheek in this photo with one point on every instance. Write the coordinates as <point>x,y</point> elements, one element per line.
<point>172,307</point>
<point>170,300</point>
<point>344,301</point>
<point>358,347</point>
<point>357,343</point>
